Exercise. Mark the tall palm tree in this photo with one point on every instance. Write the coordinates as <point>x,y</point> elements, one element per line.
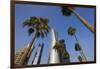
<point>38,26</point>
<point>67,12</point>
<point>71,31</point>
<point>38,54</point>
<point>63,53</point>
<point>78,48</point>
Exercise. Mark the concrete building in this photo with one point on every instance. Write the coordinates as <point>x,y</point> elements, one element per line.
<point>53,54</point>
<point>58,52</point>
<point>20,58</point>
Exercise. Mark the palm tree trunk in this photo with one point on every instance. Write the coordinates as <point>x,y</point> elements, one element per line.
<point>85,23</point>
<point>29,54</point>
<point>38,54</point>
<point>76,38</point>
<point>81,51</point>
<point>24,57</point>
<point>33,39</point>
<point>31,47</point>
<point>82,54</point>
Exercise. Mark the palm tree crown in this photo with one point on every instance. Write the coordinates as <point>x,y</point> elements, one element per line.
<point>66,10</point>
<point>77,47</point>
<point>37,24</point>
<point>71,31</point>
<point>80,58</point>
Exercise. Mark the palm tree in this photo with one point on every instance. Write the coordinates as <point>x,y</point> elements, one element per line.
<point>38,54</point>
<point>38,26</point>
<point>71,31</point>
<point>78,48</point>
<point>63,53</point>
<point>67,12</point>
<point>80,58</point>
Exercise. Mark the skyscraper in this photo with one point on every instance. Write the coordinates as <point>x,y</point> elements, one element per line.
<point>20,58</point>
<point>58,52</point>
<point>54,54</point>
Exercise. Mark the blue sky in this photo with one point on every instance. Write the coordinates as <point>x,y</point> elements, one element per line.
<point>60,23</point>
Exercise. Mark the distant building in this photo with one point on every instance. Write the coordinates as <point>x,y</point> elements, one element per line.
<point>53,53</point>
<point>20,58</point>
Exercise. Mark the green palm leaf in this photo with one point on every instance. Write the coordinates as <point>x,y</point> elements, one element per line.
<point>80,58</point>
<point>30,31</point>
<point>66,10</point>
<point>71,31</point>
<point>65,55</point>
<point>77,47</point>
<point>38,24</point>
<point>26,22</point>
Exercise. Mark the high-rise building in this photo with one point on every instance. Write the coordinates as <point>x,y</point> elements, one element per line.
<point>20,58</point>
<point>53,54</point>
<point>58,52</point>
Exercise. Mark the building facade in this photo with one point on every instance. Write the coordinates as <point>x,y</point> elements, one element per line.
<point>58,52</point>
<point>20,58</point>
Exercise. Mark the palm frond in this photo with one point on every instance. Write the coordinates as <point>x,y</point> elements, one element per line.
<point>39,24</point>
<point>77,47</point>
<point>65,55</point>
<point>38,34</point>
<point>29,22</point>
<point>66,10</point>
<point>71,31</point>
<point>34,20</point>
<point>44,20</point>
<point>57,46</point>
<point>80,58</point>
<point>26,22</point>
<point>30,31</point>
